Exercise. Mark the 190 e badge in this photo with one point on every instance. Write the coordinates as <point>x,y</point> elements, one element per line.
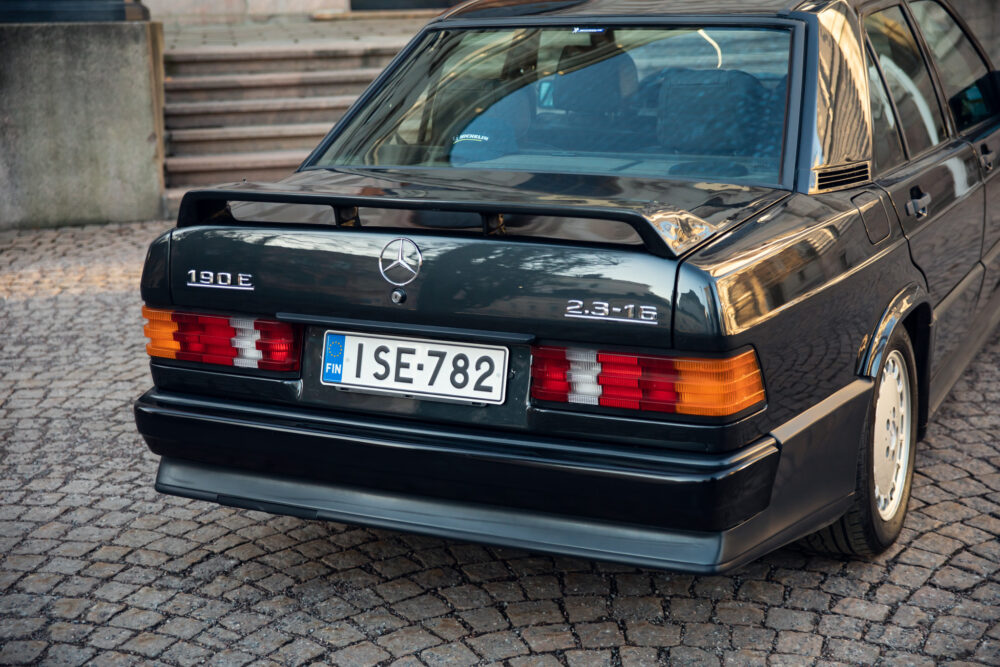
<point>602,310</point>
<point>220,280</point>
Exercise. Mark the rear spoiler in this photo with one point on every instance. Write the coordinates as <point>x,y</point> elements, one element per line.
<point>211,206</point>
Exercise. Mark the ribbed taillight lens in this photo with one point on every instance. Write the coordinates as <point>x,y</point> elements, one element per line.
<point>243,342</point>
<point>681,385</point>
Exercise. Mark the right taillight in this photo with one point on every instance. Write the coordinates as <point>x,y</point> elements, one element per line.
<point>708,387</point>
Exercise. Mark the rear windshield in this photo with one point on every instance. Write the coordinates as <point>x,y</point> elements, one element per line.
<point>701,104</point>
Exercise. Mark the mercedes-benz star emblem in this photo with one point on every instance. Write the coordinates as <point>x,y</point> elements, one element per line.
<point>400,261</point>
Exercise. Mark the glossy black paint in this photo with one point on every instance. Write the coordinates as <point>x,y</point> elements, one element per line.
<point>495,9</point>
<point>813,281</point>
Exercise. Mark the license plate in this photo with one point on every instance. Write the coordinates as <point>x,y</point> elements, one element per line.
<point>415,367</point>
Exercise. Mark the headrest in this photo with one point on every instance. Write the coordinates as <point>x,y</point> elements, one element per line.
<point>593,79</point>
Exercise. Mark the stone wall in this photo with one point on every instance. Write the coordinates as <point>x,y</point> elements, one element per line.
<point>81,123</point>
<point>983,16</point>
<point>237,11</point>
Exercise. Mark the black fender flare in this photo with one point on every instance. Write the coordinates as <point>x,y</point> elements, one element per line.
<point>873,349</point>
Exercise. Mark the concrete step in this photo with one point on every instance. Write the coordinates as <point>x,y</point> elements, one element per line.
<point>278,111</point>
<point>245,139</point>
<point>306,57</point>
<point>377,14</point>
<point>226,168</point>
<point>268,85</point>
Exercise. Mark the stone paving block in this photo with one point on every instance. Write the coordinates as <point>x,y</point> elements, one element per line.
<point>21,652</point>
<point>535,661</point>
<point>498,645</point>
<point>790,619</point>
<point>447,655</point>
<point>646,607</point>
<point>149,644</point>
<point>635,656</point>
<point>533,613</point>
<point>861,609</point>
<point>297,652</point>
<point>68,655</point>
<point>594,635</point>
<point>546,638</point>
<point>687,655</point>
<point>853,652</point>
<point>69,633</point>
<point>408,640</point>
<point>690,609</point>
<point>641,633</point>
<point>588,658</point>
<point>799,643</point>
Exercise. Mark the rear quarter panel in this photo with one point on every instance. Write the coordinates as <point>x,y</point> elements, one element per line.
<point>803,285</point>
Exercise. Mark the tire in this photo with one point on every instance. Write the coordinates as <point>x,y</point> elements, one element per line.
<point>885,474</point>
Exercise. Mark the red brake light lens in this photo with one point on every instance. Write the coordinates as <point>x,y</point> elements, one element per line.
<point>681,385</point>
<point>243,342</point>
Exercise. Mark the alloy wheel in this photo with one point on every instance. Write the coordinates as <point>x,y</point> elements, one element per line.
<point>892,436</point>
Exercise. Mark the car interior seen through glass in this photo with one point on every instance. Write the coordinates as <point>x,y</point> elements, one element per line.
<point>692,103</point>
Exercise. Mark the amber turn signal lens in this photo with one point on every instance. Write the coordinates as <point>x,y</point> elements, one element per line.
<point>159,329</point>
<point>718,387</point>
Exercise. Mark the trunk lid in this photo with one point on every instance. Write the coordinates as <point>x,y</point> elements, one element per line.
<point>502,252</point>
<point>502,262</point>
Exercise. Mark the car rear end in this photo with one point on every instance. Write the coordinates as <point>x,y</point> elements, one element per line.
<point>471,349</point>
<point>284,359</point>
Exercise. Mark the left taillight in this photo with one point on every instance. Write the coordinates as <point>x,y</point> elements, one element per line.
<point>243,342</point>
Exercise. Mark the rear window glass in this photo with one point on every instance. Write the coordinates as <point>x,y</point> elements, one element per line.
<point>699,104</point>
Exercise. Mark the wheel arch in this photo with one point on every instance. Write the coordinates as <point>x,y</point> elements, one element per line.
<point>910,309</point>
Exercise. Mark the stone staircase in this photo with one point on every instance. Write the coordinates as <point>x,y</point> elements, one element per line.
<point>256,111</point>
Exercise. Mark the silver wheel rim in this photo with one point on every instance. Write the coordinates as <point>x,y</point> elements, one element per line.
<point>892,436</point>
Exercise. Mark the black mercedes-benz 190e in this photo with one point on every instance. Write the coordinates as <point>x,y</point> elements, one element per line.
<point>670,283</point>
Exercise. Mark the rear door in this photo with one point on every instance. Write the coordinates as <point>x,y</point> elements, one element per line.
<point>969,85</point>
<point>937,192</point>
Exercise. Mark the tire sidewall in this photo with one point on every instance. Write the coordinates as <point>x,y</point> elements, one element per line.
<point>883,533</point>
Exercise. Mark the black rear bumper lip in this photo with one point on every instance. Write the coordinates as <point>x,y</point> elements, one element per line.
<point>676,550</point>
<point>624,485</point>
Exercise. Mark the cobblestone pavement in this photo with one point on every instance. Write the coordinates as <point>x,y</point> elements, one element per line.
<point>95,566</point>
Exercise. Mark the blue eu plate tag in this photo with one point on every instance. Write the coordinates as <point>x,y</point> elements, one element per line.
<point>333,357</point>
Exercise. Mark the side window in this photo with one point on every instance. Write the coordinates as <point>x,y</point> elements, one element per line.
<point>964,75</point>
<point>885,133</point>
<point>908,79</point>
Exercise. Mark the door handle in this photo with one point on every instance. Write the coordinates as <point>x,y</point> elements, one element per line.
<point>917,207</point>
<point>986,158</point>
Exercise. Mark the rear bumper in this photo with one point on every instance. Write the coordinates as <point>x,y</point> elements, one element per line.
<point>690,512</point>
<point>680,550</point>
<point>467,465</point>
